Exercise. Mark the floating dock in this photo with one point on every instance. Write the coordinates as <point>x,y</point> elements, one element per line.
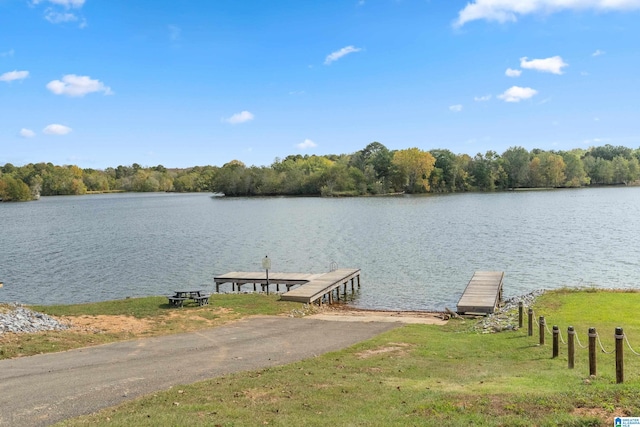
<point>311,287</point>
<point>483,293</point>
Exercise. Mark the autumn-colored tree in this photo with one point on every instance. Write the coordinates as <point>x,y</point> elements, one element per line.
<point>553,170</point>
<point>414,167</point>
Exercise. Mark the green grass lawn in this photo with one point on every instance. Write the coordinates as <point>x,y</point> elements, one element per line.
<point>422,375</point>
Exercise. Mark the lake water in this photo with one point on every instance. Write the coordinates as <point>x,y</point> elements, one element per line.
<point>415,252</point>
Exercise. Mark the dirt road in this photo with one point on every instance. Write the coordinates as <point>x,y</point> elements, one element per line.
<point>44,389</point>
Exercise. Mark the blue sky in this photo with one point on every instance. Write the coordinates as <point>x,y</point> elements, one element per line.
<point>101,83</point>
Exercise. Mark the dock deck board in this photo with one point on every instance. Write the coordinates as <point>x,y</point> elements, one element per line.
<point>483,293</point>
<point>312,286</point>
<point>320,286</point>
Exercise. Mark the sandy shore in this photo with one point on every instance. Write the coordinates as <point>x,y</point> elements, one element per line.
<point>342,313</point>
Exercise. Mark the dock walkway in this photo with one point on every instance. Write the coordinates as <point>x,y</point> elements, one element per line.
<point>311,287</point>
<point>483,293</point>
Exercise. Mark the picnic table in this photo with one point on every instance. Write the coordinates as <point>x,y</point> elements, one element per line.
<point>180,296</point>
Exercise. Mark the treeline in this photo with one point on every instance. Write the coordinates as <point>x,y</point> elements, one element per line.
<point>372,170</point>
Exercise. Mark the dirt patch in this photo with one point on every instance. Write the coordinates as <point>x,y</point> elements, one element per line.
<point>600,413</point>
<point>104,323</point>
<point>398,349</point>
<point>188,319</point>
<point>344,313</point>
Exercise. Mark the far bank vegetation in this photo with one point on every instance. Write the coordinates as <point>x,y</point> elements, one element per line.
<point>373,170</point>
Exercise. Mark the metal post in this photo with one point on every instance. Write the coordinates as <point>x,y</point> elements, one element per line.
<point>266,264</point>
<point>619,356</point>
<point>571,347</point>
<point>541,329</point>
<point>556,345</point>
<point>592,351</point>
<point>530,319</point>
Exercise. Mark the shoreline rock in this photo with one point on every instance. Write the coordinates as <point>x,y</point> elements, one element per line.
<point>15,318</point>
<point>506,317</point>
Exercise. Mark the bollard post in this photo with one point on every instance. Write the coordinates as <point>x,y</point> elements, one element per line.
<point>530,319</point>
<point>592,351</point>
<point>541,329</point>
<point>520,314</point>
<point>571,347</point>
<point>619,356</point>
<point>556,334</point>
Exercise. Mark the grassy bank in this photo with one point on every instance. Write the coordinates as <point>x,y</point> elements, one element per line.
<point>423,375</point>
<point>109,321</point>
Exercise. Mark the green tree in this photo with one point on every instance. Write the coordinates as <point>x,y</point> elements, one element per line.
<point>487,172</point>
<point>609,152</point>
<point>574,169</point>
<point>516,165</point>
<point>13,189</point>
<point>599,170</point>
<point>445,175</point>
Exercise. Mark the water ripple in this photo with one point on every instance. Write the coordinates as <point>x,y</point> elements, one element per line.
<point>415,252</point>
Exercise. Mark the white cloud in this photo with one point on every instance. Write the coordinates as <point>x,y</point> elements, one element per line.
<point>27,133</point>
<point>509,10</point>
<point>512,73</point>
<point>14,75</point>
<point>334,56</point>
<point>596,141</point>
<point>482,98</point>
<point>66,3</point>
<point>56,129</point>
<point>456,108</point>
<point>59,11</point>
<point>73,85</point>
<point>58,18</point>
<point>174,32</point>
<point>241,117</point>
<point>517,94</point>
<point>7,53</point>
<point>554,65</point>
<point>307,143</point>
<point>598,52</point>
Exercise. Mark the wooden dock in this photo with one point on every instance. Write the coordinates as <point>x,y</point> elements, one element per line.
<point>311,287</point>
<point>483,293</point>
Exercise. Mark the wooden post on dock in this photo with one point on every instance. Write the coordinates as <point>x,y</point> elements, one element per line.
<point>541,329</point>
<point>592,351</point>
<point>520,314</point>
<point>556,344</point>
<point>571,347</point>
<point>530,319</point>
<point>619,356</point>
